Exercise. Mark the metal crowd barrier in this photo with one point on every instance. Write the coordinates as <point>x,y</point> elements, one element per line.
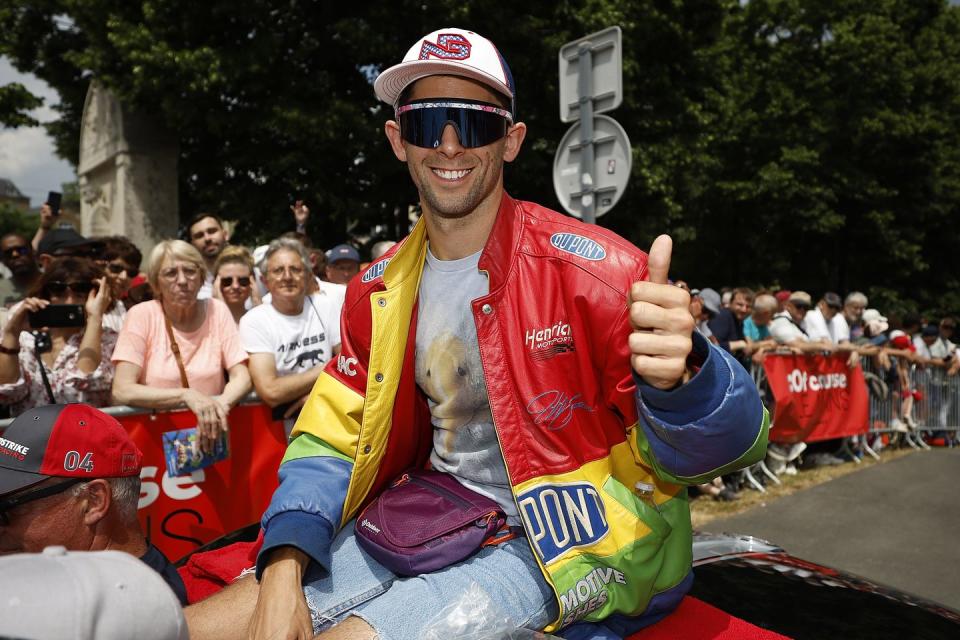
<point>935,410</point>
<point>930,404</point>
<point>124,410</point>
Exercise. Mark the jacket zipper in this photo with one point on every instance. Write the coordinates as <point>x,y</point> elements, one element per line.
<point>513,493</point>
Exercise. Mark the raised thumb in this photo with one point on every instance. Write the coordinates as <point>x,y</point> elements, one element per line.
<point>658,260</point>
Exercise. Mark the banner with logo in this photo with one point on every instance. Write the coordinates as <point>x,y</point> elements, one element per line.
<point>181,513</point>
<point>817,398</point>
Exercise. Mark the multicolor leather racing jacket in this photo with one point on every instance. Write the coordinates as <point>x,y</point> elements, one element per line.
<point>598,460</point>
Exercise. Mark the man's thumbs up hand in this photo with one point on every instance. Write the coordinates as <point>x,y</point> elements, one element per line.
<point>661,320</point>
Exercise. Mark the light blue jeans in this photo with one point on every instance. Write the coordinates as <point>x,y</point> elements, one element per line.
<point>404,608</point>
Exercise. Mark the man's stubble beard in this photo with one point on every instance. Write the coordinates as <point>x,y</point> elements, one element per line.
<point>453,207</point>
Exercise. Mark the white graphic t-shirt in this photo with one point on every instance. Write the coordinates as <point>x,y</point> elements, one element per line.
<point>450,373</point>
<point>298,342</point>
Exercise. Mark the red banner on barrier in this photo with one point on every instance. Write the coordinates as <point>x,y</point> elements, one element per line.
<point>817,398</point>
<point>179,514</point>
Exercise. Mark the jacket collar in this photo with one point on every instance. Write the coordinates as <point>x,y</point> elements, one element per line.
<point>496,259</point>
<point>502,245</point>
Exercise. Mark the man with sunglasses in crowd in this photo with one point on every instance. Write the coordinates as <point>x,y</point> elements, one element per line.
<point>70,476</point>
<point>16,254</point>
<point>496,341</point>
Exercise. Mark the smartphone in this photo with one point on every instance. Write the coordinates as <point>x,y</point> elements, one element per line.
<point>53,199</point>
<point>58,315</point>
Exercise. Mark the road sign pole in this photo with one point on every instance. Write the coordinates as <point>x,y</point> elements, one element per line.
<point>585,89</point>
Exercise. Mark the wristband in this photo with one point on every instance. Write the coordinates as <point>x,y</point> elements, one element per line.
<point>10,351</point>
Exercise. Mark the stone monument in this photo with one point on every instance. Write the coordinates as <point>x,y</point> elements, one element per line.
<point>127,173</point>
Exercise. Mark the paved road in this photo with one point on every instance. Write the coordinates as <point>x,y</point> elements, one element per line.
<point>897,523</point>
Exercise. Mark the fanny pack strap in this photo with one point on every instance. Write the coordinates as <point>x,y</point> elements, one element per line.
<point>503,534</point>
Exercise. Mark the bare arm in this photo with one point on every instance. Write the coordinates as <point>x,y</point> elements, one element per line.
<point>237,387</point>
<point>275,389</point>
<point>281,606</point>
<point>805,346</point>
<point>211,412</point>
<point>16,323</point>
<point>46,222</point>
<point>127,390</point>
<point>91,351</point>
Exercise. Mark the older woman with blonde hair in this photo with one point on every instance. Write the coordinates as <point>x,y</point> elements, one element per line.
<point>174,349</point>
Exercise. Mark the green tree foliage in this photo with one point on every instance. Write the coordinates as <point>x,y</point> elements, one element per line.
<point>13,220</point>
<point>836,140</point>
<point>808,143</point>
<point>15,102</point>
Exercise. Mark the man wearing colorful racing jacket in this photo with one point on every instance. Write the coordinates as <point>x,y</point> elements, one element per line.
<point>543,362</point>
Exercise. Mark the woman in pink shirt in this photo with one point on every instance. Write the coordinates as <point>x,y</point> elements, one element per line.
<point>147,371</point>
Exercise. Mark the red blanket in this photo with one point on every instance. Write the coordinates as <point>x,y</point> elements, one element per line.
<point>697,620</point>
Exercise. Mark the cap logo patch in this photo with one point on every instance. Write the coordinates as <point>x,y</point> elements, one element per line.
<point>128,463</point>
<point>449,46</point>
<point>14,450</point>
<point>578,246</point>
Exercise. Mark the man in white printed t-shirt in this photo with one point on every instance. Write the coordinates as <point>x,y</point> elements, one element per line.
<point>294,335</point>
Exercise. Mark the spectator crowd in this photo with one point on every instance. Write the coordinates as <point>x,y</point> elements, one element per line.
<point>203,322</point>
<point>752,324</point>
<point>200,324</point>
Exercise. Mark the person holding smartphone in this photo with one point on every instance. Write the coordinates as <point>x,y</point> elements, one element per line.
<point>49,212</point>
<point>120,261</point>
<point>75,360</point>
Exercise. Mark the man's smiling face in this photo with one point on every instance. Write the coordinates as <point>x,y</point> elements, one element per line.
<point>454,180</point>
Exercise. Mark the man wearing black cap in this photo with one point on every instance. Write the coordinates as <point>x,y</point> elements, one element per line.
<point>16,254</point>
<point>70,476</point>
<point>494,342</point>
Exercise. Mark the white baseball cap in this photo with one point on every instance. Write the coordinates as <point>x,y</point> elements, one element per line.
<point>450,52</point>
<point>872,314</point>
<point>86,595</point>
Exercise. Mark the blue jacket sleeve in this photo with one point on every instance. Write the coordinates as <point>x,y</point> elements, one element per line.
<point>711,425</point>
<point>306,508</point>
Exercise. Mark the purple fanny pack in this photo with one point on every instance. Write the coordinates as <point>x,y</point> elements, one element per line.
<point>425,521</point>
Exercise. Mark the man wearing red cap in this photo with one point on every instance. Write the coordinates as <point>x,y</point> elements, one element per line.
<point>70,476</point>
<point>494,342</point>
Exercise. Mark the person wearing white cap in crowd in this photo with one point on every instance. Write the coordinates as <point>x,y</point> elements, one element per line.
<point>874,323</point>
<point>490,308</point>
<point>787,327</point>
<point>86,595</point>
